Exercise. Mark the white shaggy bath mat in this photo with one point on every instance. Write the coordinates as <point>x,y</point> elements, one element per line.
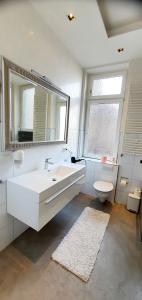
<point>78,250</point>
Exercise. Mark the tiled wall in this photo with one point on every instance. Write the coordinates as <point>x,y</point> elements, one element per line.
<point>130,168</point>
<point>44,53</point>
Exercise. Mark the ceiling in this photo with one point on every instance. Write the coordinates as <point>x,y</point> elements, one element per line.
<point>97,32</point>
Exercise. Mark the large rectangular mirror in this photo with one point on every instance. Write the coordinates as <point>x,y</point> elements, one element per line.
<point>38,112</point>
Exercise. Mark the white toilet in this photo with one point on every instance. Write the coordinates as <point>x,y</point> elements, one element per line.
<point>103,190</point>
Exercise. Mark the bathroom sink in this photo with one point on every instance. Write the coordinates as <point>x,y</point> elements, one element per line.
<point>63,170</point>
<point>35,197</point>
<point>41,180</point>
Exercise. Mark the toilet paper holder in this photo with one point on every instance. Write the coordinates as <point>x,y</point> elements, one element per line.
<point>123,181</point>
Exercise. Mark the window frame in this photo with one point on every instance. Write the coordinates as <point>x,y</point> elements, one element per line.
<point>91,78</point>
<point>117,98</point>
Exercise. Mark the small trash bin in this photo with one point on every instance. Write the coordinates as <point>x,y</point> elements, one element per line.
<point>133,202</point>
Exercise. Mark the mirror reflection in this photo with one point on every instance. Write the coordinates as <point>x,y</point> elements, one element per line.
<point>37,114</point>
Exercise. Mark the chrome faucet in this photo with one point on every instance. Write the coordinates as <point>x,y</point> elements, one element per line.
<point>47,162</point>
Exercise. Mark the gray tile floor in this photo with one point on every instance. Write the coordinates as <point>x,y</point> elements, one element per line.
<point>27,272</point>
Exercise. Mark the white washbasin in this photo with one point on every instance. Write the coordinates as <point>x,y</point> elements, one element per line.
<point>41,180</point>
<point>62,171</point>
<point>35,197</point>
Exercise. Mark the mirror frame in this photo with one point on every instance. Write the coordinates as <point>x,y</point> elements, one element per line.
<point>10,66</point>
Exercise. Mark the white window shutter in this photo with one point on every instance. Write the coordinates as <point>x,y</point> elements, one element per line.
<point>133,130</point>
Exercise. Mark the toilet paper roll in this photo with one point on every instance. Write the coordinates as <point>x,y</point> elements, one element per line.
<point>137,192</point>
<point>123,182</point>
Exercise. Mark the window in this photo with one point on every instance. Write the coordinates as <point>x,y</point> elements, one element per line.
<point>103,116</point>
<point>27,108</point>
<point>107,86</point>
<point>102,126</point>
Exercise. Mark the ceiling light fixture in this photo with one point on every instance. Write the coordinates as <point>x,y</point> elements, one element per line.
<point>120,50</point>
<point>70,17</point>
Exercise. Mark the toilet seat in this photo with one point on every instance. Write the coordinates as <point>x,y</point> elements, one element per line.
<point>103,186</point>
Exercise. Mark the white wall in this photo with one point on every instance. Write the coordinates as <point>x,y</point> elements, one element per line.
<point>44,53</point>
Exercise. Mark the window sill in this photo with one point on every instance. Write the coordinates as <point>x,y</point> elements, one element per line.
<point>99,161</point>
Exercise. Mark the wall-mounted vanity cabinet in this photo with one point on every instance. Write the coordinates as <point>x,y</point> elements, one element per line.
<point>36,197</point>
<point>33,111</point>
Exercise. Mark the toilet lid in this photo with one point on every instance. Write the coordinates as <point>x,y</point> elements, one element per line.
<point>103,186</point>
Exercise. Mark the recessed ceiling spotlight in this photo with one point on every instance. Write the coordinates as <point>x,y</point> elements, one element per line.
<point>71,17</point>
<point>120,50</point>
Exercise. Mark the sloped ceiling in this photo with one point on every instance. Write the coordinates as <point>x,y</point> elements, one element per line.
<point>86,38</point>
